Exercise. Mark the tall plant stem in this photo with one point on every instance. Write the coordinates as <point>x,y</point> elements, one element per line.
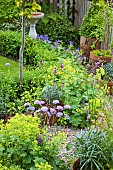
<point>22,48</point>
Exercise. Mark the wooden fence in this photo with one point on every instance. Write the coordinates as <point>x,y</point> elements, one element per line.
<point>76,10</point>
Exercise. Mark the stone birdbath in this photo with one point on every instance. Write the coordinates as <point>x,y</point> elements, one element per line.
<point>32,20</point>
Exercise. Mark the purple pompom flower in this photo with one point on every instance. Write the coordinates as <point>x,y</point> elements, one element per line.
<point>67,107</point>
<point>52,110</point>
<point>7,64</point>
<point>59,114</point>
<point>67,116</point>
<point>49,114</point>
<point>37,102</point>
<point>31,108</point>
<point>56,102</point>
<point>42,102</point>
<point>60,108</point>
<point>44,109</point>
<point>27,104</point>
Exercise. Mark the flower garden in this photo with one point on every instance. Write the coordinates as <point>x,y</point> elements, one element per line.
<point>61,115</point>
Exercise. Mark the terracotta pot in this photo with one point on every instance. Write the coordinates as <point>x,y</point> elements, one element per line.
<point>85,45</point>
<point>97,58</point>
<point>109,85</point>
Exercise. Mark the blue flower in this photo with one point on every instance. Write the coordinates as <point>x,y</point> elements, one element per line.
<point>67,107</point>
<point>37,102</point>
<point>44,109</point>
<point>31,108</point>
<point>55,102</point>
<point>60,108</point>
<point>7,64</point>
<point>59,114</point>
<point>27,104</point>
<point>71,43</point>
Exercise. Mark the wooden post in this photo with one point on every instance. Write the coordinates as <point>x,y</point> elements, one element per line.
<point>22,48</point>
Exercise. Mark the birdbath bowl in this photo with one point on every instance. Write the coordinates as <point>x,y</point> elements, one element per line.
<point>34,17</point>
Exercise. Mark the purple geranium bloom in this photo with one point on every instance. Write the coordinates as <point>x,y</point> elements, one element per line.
<point>59,114</point>
<point>27,104</point>
<point>67,106</point>
<point>67,116</point>
<point>71,43</point>
<point>56,42</point>
<point>44,109</point>
<point>37,102</point>
<point>55,102</point>
<point>52,110</point>
<point>39,141</point>
<point>31,108</point>
<point>7,64</point>
<point>60,108</point>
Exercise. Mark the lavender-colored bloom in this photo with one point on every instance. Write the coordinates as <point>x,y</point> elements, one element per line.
<point>54,47</point>
<point>37,102</point>
<point>48,41</point>
<point>67,107</point>
<point>37,36</point>
<point>52,110</point>
<point>88,117</point>
<point>67,116</point>
<point>71,43</point>
<point>42,102</point>
<point>49,114</point>
<point>59,114</point>
<point>56,42</point>
<point>55,102</point>
<point>84,56</point>
<point>7,64</point>
<point>27,104</point>
<point>44,109</point>
<point>31,108</point>
<point>55,71</point>
<point>60,108</point>
<point>61,66</point>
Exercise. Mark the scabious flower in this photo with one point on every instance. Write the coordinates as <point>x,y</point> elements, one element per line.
<point>60,108</point>
<point>67,107</point>
<point>67,116</point>
<point>31,108</point>
<point>55,102</point>
<point>52,110</point>
<point>37,102</point>
<point>27,104</point>
<point>39,141</point>
<point>59,114</point>
<point>88,117</point>
<point>7,64</point>
<point>44,109</point>
<point>42,102</point>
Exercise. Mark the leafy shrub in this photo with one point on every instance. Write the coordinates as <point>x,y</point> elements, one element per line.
<point>94,149</point>
<point>34,51</point>
<point>24,142</point>
<point>61,29</point>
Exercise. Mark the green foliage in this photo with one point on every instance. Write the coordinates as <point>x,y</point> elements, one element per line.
<point>22,140</point>
<point>50,93</point>
<point>61,29</point>
<point>104,53</point>
<point>95,21</point>
<point>94,149</point>
<point>34,51</point>
<point>108,69</point>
